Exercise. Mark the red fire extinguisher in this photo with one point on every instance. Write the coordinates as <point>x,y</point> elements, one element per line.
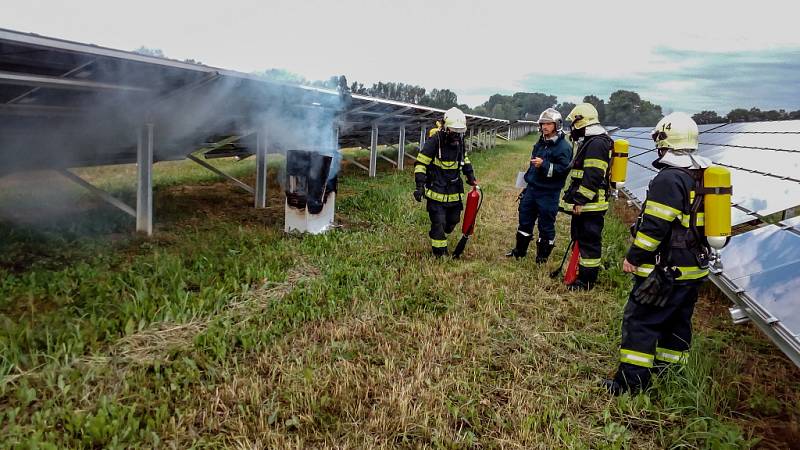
<point>474,201</point>
<point>572,268</point>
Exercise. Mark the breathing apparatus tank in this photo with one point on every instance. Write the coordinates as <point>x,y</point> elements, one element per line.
<point>619,162</point>
<point>717,201</point>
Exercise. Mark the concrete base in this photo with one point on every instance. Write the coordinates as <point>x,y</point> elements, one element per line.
<point>300,220</point>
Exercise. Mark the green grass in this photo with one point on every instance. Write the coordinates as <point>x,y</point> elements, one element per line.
<point>222,331</point>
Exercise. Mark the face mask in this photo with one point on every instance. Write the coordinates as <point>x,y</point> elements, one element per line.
<point>576,134</point>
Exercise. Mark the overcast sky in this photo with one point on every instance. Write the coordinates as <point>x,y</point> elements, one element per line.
<point>683,55</point>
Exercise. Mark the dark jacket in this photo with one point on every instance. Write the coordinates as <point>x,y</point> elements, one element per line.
<point>439,165</point>
<point>589,176</point>
<point>664,228</point>
<point>552,174</point>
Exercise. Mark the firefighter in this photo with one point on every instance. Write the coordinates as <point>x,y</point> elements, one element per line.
<point>668,238</point>
<point>586,196</point>
<point>547,172</point>
<point>437,173</point>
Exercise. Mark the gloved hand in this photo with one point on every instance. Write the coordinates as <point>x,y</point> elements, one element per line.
<point>418,195</point>
<point>473,182</point>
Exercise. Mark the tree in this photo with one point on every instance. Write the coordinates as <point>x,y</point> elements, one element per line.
<point>565,108</point>
<point>599,105</point>
<point>738,115</point>
<point>705,117</point>
<point>440,98</point>
<point>627,109</point>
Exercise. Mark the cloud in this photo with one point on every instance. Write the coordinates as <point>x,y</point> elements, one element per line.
<point>694,80</point>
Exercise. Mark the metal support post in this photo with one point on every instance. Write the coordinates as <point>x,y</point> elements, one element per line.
<point>373,152</point>
<point>208,166</point>
<point>401,149</point>
<point>144,171</point>
<point>423,133</point>
<point>103,195</point>
<point>261,169</point>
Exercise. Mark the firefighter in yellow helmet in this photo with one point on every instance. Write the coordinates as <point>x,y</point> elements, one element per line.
<point>437,173</point>
<point>668,258</point>
<point>586,197</point>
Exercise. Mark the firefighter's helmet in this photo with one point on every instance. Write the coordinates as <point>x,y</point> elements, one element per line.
<point>583,115</point>
<point>455,120</point>
<point>676,131</point>
<point>551,115</point>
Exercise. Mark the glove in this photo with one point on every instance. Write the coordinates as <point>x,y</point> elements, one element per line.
<point>473,182</point>
<point>418,195</point>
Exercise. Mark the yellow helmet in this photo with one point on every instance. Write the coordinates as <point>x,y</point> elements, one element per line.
<point>455,120</point>
<point>676,131</point>
<point>583,115</point>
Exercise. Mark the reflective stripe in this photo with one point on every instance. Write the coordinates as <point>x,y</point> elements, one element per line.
<point>524,233</point>
<point>550,171</point>
<point>576,173</point>
<point>444,198</point>
<point>596,206</point>
<point>589,207</point>
<point>671,356</point>
<point>701,219</point>
<point>636,358</point>
<point>424,159</point>
<point>447,165</point>
<point>589,262</point>
<point>438,243</point>
<point>645,242</point>
<point>687,272</point>
<point>419,168</point>
<point>466,160</point>
<point>586,192</point>
<point>692,273</point>
<point>661,211</point>
<point>596,163</point>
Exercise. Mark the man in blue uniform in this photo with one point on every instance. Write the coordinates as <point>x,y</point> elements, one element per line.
<point>437,173</point>
<point>545,177</point>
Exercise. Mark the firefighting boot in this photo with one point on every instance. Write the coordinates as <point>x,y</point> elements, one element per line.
<point>543,250</point>
<point>522,246</point>
<point>587,278</point>
<point>439,252</point>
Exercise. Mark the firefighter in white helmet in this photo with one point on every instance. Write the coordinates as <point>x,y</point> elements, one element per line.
<point>586,198</point>
<point>669,259</point>
<point>437,173</point>
<point>547,172</point>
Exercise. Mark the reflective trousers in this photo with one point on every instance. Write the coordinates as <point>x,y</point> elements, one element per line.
<point>444,218</point>
<point>587,230</point>
<point>654,336</point>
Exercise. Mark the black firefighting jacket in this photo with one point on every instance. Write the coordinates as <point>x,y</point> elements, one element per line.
<point>665,229</point>
<point>439,165</point>
<point>588,185</point>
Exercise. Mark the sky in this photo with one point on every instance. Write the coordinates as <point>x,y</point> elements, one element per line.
<point>684,55</point>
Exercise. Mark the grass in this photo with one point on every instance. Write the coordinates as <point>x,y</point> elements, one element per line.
<point>222,331</point>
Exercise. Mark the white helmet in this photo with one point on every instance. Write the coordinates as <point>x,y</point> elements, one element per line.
<point>551,115</point>
<point>455,120</point>
<point>676,131</point>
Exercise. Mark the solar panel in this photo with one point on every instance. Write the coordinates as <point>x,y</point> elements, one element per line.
<point>776,141</point>
<point>763,195</point>
<point>778,126</point>
<point>776,292</point>
<point>776,163</point>
<point>745,255</point>
<point>793,222</point>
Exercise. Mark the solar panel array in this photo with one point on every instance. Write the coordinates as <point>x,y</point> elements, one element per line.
<point>67,104</point>
<point>761,266</point>
<point>763,158</point>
